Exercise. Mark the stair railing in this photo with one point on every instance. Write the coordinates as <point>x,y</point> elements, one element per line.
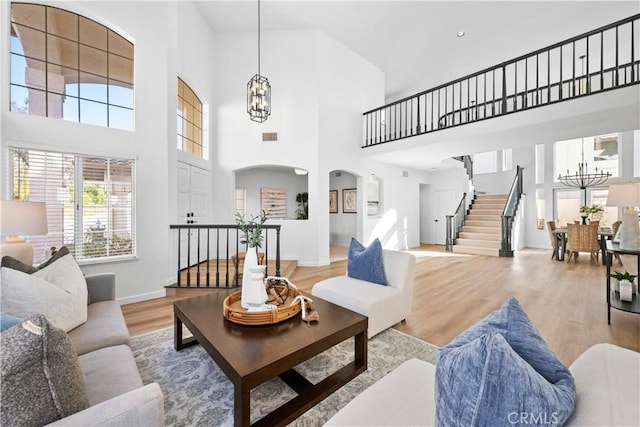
<point>455,223</point>
<point>206,252</point>
<point>467,162</point>
<point>509,213</point>
<point>593,62</point>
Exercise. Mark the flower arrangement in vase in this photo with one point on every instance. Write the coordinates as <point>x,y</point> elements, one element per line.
<point>594,213</point>
<point>254,294</point>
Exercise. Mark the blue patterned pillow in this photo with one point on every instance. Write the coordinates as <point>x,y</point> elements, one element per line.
<point>366,263</point>
<point>7,321</point>
<point>525,381</point>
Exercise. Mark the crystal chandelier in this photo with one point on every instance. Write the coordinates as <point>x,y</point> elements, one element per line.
<point>258,90</point>
<point>582,179</point>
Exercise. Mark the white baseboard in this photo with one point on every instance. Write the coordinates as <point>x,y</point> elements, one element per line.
<point>141,297</point>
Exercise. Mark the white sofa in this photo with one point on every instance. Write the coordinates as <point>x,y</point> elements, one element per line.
<point>383,305</point>
<point>607,381</point>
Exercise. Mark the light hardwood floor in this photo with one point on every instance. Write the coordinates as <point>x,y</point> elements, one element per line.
<point>566,302</point>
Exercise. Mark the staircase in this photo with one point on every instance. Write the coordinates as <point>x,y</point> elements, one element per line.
<point>481,233</point>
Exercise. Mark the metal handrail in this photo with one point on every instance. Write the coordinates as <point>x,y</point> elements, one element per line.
<point>509,212</point>
<point>227,244</point>
<point>455,223</point>
<point>497,90</point>
<point>467,162</point>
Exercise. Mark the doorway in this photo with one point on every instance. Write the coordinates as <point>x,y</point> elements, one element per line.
<point>444,203</point>
<point>343,222</point>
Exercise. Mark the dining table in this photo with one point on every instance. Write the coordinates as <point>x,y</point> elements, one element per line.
<point>604,233</point>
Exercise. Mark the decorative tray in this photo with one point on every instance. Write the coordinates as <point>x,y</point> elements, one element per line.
<point>233,312</point>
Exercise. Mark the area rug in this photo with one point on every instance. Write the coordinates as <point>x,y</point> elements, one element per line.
<point>198,393</point>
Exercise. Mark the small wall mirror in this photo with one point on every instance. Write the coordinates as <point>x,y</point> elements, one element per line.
<point>374,196</point>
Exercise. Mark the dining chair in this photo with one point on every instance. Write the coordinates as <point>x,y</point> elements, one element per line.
<point>554,238</point>
<point>583,238</point>
<point>614,230</point>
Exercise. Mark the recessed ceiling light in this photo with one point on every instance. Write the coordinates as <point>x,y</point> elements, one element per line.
<point>460,34</point>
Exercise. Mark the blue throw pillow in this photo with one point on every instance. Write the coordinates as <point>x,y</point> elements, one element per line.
<point>7,321</point>
<point>486,383</point>
<point>512,323</point>
<point>366,263</point>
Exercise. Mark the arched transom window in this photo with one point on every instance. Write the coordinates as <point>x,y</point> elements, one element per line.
<point>69,67</point>
<point>189,121</point>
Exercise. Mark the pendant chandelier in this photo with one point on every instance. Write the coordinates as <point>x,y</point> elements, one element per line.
<point>582,179</point>
<point>258,90</point>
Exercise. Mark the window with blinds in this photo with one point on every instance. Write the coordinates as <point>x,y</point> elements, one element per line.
<point>90,201</point>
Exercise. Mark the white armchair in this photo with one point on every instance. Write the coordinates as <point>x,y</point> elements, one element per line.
<point>383,305</point>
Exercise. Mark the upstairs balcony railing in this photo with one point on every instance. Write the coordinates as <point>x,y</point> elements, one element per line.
<point>603,59</point>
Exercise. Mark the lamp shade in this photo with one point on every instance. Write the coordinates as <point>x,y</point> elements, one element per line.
<point>624,195</point>
<point>23,218</point>
<point>627,196</point>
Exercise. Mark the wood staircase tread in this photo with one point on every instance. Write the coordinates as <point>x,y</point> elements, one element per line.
<point>475,250</point>
<point>481,233</point>
<point>478,243</point>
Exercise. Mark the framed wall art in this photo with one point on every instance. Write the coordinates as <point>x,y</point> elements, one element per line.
<point>274,202</point>
<point>349,200</point>
<point>333,201</point>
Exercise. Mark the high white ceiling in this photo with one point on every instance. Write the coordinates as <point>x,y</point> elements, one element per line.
<point>414,42</point>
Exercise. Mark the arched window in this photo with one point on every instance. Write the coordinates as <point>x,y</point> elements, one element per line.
<point>189,121</point>
<point>69,67</point>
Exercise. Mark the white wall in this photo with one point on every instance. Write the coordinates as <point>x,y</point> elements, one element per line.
<point>317,113</point>
<point>348,90</point>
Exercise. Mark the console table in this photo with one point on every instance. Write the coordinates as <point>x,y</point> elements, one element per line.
<point>613,299</point>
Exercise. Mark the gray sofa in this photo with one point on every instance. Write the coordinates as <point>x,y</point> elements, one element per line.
<point>116,394</point>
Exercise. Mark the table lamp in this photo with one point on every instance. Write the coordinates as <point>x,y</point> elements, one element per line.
<point>18,218</point>
<point>627,196</point>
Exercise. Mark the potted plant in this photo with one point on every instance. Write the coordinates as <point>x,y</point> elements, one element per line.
<point>619,277</point>
<point>252,229</point>
<point>593,212</point>
<point>303,205</point>
<point>254,293</point>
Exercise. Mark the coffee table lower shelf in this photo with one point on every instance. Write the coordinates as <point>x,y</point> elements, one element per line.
<point>309,394</point>
<point>219,337</point>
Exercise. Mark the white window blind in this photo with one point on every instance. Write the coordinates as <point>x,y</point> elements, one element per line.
<point>507,159</point>
<point>90,201</point>
<point>240,201</point>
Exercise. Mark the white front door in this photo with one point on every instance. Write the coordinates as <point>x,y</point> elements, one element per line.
<point>193,208</point>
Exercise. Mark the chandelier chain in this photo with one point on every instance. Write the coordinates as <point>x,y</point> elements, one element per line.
<point>259,37</point>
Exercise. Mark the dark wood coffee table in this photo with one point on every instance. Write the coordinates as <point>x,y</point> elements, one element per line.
<point>251,355</point>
